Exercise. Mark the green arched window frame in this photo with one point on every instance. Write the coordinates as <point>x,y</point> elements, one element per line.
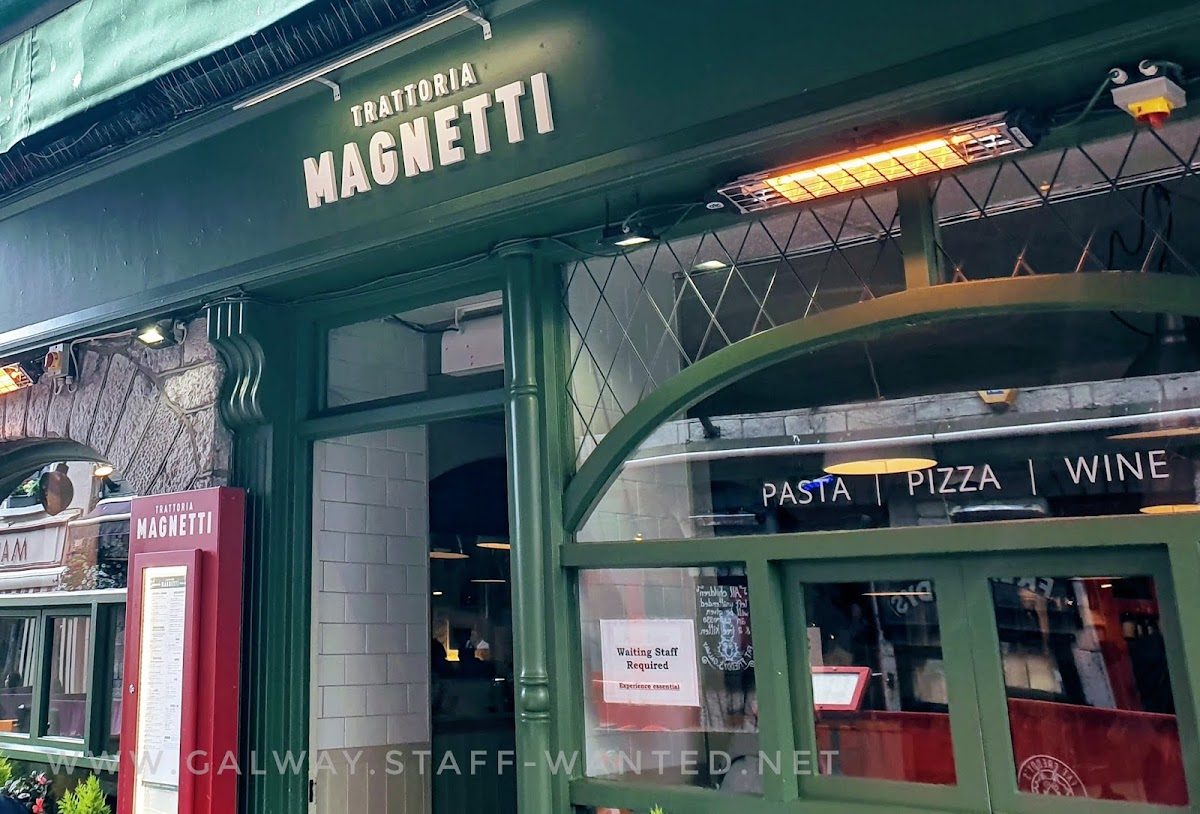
<point>1104,291</point>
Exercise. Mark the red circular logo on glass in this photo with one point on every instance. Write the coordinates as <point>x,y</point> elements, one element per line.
<point>1043,774</point>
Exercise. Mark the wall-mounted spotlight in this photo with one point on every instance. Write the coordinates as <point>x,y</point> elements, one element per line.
<point>162,334</point>
<point>103,470</point>
<point>626,236</point>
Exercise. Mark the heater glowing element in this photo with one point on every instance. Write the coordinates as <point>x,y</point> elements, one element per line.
<point>14,378</point>
<point>956,147</point>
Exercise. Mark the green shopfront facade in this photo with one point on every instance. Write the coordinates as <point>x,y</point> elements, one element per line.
<point>712,603</point>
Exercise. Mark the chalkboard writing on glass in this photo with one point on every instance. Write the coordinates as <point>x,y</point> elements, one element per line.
<point>723,624</point>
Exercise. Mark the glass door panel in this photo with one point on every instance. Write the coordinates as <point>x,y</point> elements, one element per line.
<point>1085,653</point>
<point>885,686</point>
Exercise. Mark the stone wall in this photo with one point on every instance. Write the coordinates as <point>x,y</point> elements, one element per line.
<point>151,413</point>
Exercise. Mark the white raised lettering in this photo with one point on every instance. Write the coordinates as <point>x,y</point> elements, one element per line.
<point>356,112</point>
<point>385,107</point>
<point>369,112</point>
<point>539,85</point>
<point>398,100</point>
<point>476,107</point>
<point>354,173</point>
<point>510,96</point>
<point>410,93</point>
<point>787,494</point>
<point>425,90</point>
<point>769,491</point>
<point>468,75</point>
<point>385,169</point>
<point>414,144</point>
<point>319,180</point>
<point>915,479</point>
<point>448,134</point>
<point>440,86</point>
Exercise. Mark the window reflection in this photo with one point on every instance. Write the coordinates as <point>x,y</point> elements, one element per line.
<point>1090,703</point>
<point>70,642</point>
<point>902,431</point>
<point>879,682</point>
<point>117,682</point>
<point>18,654</point>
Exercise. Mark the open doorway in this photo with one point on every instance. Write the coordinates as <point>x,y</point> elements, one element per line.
<point>471,663</point>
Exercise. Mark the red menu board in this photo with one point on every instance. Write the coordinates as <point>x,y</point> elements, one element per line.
<point>180,705</point>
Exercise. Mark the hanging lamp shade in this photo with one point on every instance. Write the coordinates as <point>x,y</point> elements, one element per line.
<point>1174,494</point>
<point>883,460</point>
<point>446,547</point>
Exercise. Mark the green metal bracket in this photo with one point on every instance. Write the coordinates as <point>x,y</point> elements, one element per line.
<point>1101,291</point>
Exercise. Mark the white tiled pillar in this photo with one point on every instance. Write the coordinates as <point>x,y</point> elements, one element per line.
<point>371,593</point>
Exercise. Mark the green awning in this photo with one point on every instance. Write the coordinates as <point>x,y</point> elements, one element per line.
<point>96,50</point>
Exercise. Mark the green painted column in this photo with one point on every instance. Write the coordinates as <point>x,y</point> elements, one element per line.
<point>523,318</point>
<point>258,403</point>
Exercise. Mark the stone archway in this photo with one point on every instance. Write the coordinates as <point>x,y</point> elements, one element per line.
<point>151,413</point>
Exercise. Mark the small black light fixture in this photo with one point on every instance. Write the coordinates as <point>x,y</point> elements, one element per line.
<point>625,235</point>
<point>163,333</point>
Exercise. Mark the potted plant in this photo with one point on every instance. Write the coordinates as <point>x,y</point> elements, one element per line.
<point>85,798</point>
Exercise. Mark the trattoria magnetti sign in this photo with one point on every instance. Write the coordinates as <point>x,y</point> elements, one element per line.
<point>425,124</point>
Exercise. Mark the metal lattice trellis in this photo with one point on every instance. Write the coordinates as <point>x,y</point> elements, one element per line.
<point>638,318</point>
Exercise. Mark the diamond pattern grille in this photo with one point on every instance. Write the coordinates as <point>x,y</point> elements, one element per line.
<point>638,318</point>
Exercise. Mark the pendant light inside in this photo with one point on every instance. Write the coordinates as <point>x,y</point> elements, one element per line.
<point>891,460</point>
<point>451,549</point>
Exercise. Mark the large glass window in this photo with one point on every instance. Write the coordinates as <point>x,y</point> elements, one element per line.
<point>668,676</point>
<point>992,418</point>
<point>1090,705</point>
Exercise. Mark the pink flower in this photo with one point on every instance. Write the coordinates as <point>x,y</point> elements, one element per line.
<point>41,779</point>
<point>40,806</point>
